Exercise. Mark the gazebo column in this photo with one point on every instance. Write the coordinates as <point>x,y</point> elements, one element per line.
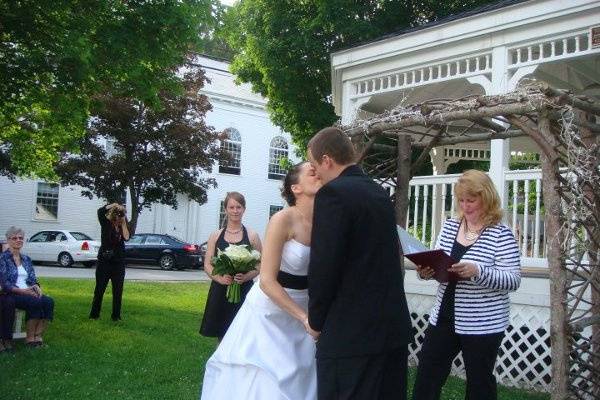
<point>440,167</point>
<point>501,82</point>
<point>351,105</point>
<point>499,164</point>
<point>438,161</point>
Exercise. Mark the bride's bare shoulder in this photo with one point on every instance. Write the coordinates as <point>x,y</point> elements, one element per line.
<point>283,216</point>
<point>282,221</point>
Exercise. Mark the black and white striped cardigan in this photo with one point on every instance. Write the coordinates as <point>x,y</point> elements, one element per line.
<point>481,304</point>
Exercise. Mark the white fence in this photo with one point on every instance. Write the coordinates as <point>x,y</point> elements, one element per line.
<point>524,357</point>
<point>432,201</point>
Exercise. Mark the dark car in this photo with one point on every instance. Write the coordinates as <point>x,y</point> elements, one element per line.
<point>165,251</point>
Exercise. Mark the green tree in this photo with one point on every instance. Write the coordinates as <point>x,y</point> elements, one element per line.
<point>160,153</point>
<point>55,56</point>
<point>283,48</point>
<point>215,44</point>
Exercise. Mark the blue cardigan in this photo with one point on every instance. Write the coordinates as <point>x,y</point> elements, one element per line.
<point>9,273</point>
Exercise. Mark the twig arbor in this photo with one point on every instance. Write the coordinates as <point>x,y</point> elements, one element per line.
<point>566,130</point>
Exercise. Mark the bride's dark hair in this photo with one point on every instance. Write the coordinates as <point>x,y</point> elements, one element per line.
<point>291,178</point>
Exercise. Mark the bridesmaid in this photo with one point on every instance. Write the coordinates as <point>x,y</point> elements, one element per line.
<point>218,312</point>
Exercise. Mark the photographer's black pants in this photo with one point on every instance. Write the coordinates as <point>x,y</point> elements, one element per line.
<point>105,271</point>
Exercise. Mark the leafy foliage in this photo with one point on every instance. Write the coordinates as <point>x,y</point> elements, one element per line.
<point>159,152</point>
<point>283,48</point>
<point>55,56</point>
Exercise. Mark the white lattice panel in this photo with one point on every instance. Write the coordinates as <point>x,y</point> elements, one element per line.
<point>524,356</point>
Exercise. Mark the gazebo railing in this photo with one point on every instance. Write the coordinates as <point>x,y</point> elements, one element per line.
<point>432,202</point>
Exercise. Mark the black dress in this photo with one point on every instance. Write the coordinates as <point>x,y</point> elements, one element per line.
<point>219,313</point>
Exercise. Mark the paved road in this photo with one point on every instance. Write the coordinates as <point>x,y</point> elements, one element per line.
<point>132,273</point>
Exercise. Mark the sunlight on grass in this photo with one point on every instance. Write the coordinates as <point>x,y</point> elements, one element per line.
<point>154,353</point>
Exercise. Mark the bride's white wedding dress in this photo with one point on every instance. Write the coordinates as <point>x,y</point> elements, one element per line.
<point>266,353</point>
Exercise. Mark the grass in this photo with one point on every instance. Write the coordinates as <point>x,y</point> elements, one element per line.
<point>154,353</point>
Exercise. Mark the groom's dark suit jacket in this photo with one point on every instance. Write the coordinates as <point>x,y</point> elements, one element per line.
<point>355,284</point>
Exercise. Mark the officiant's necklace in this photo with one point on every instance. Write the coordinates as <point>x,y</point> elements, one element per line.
<point>470,235</point>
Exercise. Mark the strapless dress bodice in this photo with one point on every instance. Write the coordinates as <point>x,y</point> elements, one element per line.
<point>295,258</point>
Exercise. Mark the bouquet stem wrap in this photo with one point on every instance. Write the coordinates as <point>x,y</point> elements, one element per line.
<point>236,259</point>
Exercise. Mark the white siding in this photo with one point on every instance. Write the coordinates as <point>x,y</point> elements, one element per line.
<point>233,107</point>
<point>18,200</point>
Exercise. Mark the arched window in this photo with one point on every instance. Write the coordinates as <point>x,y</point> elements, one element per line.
<point>233,146</point>
<point>277,151</point>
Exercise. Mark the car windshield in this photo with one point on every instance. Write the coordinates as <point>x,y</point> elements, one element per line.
<point>174,240</point>
<point>80,236</point>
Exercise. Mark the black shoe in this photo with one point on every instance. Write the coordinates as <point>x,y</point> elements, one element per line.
<point>115,318</point>
<point>94,316</point>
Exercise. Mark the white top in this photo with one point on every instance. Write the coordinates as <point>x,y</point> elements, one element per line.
<point>21,278</point>
<point>295,258</point>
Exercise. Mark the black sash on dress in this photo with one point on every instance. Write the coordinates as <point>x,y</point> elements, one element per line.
<point>290,281</point>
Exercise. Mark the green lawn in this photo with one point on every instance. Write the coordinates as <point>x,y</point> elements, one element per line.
<point>154,353</point>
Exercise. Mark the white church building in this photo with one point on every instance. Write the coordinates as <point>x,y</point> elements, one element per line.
<point>255,143</point>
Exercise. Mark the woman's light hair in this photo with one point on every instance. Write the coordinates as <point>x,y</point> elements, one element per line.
<point>478,184</point>
<point>13,230</point>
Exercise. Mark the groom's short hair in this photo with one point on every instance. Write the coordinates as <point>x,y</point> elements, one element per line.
<point>333,142</point>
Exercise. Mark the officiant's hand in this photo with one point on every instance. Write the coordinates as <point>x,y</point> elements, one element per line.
<point>466,270</point>
<point>425,272</point>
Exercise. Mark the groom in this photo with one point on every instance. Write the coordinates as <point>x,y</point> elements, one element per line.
<point>355,284</point>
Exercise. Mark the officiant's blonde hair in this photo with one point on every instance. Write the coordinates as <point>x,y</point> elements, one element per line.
<point>478,184</point>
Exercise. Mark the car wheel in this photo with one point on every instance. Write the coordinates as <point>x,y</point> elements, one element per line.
<point>89,264</point>
<point>65,260</point>
<point>166,262</point>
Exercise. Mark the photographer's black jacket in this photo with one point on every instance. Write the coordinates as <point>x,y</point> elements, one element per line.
<point>110,238</point>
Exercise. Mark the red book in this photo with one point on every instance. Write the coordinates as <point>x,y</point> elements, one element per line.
<point>418,253</point>
<point>438,260</point>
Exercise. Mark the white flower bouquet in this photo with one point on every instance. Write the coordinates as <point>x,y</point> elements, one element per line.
<point>236,259</point>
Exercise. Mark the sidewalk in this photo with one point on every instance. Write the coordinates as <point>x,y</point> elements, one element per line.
<point>131,273</point>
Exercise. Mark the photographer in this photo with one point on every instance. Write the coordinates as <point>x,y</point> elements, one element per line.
<point>111,255</point>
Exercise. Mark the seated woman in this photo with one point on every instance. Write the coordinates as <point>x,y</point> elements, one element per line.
<point>7,321</point>
<point>18,280</point>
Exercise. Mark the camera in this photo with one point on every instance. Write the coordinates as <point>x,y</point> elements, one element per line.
<point>120,213</point>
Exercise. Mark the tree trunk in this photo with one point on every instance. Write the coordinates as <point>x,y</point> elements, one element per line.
<point>402,180</point>
<point>135,210</point>
<point>591,141</point>
<point>559,337</point>
<point>402,187</point>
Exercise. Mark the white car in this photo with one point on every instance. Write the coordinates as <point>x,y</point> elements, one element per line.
<point>64,247</point>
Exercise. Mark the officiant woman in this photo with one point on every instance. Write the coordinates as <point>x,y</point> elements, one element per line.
<point>471,313</point>
<point>219,313</point>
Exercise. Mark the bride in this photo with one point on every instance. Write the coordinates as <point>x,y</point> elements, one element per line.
<point>269,350</point>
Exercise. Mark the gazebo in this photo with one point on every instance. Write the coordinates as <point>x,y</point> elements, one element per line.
<point>493,51</point>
